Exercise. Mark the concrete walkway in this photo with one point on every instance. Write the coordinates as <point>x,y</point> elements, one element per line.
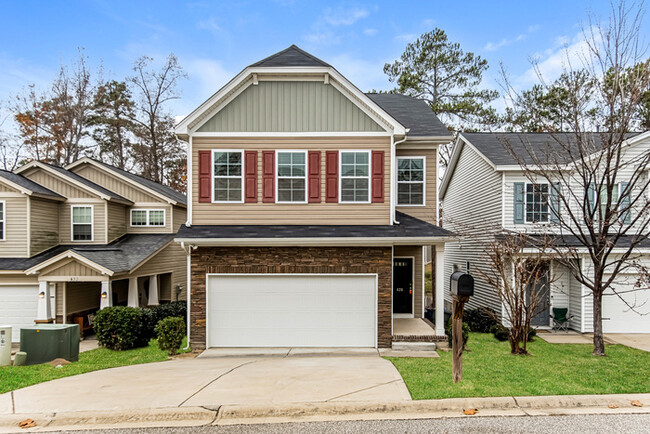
<point>211,382</point>
<point>640,341</point>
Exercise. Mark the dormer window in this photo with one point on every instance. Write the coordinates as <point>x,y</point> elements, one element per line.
<point>147,217</point>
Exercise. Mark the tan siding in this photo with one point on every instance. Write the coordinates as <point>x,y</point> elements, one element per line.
<point>150,230</point>
<point>116,221</point>
<point>115,184</point>
<point>428,211</point>
<point>180,216</point>
<point>170,259</point>
<point>58,310</point>
<point>44,216</point>
<point>72,268</point>
<point>18,278</point>
<point>271,213</point>
<point>81,296</point>
<point>416,253</point>
<point>290,106</point>
<point>5,188</point>
<point>56,184</point>
<point>65,224</point>
<point>15,242</point>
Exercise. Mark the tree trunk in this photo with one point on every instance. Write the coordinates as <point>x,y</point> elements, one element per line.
<point>599,344</point>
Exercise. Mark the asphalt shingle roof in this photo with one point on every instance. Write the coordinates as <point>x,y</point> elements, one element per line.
<point>87,183</point>
<point>28,184</point>
<point>292,56</point>
<point>411,112</point>
<point>119,256</point>
<point>408,227</point>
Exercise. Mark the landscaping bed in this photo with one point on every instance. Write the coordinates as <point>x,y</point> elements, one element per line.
<point>551,369</point>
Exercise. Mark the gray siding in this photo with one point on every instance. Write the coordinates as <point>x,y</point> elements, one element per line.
<point>44,225</point>
<point>290,106</point>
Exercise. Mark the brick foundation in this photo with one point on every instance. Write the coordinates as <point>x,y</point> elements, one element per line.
<point>376,260</point>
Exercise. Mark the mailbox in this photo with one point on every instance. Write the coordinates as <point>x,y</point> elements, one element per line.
<point>461,284</point>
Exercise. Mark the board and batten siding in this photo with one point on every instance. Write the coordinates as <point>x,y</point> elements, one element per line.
<point>117,222</point>
<point>150,229</point>
<point>15,215</point>
<point>291,214</point>
<point>99,222</point>
<point>418,290</point>
<point>171,259</point>
<point>56,184</point>
<point>44,224</point>
<point>111,182</point>
<point>180,217</point>
<point>69,268</point>
<point>428,211</point>
<point>290,106</point>
<point>472,209</point>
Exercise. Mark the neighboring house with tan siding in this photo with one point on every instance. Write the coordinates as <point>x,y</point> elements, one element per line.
<point>76,239</point>
<point>311,207</point>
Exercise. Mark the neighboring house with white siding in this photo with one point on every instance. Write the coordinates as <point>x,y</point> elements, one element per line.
<point>75,239</point>
<point>485,192</point>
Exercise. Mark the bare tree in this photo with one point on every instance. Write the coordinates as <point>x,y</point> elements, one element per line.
<point>11,149</point>
<point>598,183</point>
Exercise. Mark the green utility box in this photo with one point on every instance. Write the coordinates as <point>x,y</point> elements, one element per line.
<point>46,342</point>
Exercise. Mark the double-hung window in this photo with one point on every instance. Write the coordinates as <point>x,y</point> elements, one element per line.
<point>355,176</point>
<point>410,181</point>
<point>2,220</point>
<point>537,210</point>
<point>147,217</point>
<point>228,176</point>
<point>82,223</point>
<point>291,177</point>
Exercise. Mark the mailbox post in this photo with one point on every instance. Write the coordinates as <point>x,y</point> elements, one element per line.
<point>462,288</point>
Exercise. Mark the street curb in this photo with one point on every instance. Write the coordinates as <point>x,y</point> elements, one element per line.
<point>329,411</point>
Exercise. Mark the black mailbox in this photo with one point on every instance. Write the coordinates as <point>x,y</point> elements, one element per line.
<point>461,284</point>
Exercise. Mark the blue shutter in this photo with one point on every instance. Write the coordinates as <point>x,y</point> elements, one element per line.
<point>591,198</point>
<point>519,202</point>
<point>555,202</point>
<point>625,202</point>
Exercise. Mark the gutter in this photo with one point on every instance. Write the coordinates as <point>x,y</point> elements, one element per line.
<point>188,293</point>
<point>321,241</point>
<point>393,174</point>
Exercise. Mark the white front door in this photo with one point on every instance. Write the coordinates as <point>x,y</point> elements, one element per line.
<point>18,305</point>
<point>291,310</point>
<point>618,317</point>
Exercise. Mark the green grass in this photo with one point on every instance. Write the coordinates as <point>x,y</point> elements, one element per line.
<point>17,377</point>
<point>551,369</point>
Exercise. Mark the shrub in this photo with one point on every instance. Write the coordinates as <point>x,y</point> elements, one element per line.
<point>120,328</point>
<point>465,333</point>
<point>170,332</point>
<point>151,316</point>
<point>500,332</point>
<point>480,320</point>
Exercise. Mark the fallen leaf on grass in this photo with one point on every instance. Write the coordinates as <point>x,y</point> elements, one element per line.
<point>27,423</point>
<point>636,404</point>
<point>470,411</point>
<point>612,406</point>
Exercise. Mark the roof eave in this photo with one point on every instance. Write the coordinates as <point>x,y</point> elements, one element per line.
<point>315,241</point>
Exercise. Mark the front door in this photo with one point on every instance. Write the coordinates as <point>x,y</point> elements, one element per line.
<point>403,285</point>
<point>542,315</point>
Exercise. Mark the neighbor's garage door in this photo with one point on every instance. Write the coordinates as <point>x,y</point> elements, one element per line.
<point>284,310</point>
<point>18,306</point>
<point>617,315</point>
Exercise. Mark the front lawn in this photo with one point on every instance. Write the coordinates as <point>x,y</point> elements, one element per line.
<point>17,377</point>
<point>551,369</point>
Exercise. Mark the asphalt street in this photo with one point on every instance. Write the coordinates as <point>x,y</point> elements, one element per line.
<point>632,423</point>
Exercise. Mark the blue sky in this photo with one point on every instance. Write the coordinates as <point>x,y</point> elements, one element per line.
<point>215,40</point>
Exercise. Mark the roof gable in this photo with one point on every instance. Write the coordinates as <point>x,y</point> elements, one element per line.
<point>292,56</point>
<point>25,185</point>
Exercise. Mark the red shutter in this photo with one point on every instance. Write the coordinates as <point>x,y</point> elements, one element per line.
<point>205,175</point>
<point>250,177</point>
<point>314,176</point>
<point>268,176</point>
<point>377,176</point>
<point>331,176</point>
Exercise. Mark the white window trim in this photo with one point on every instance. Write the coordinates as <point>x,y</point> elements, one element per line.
<point>148,224</point>
<point>548,203</point>
<point>92,223</point>
<point>423,182</point>
<point>341,177</point>
<point>277,175</point>
<point>3,222</point>
<point>243,172</point>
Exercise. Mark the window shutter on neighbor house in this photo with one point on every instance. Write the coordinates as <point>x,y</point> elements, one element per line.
<point>519,201</point>
<point>313,177</point>
<point>250,177</point>
<point>626,215</point>
<point>591,199</point>
<point>268,176</point>
<point>555,202</point>
<point>331,176</point>
<point>205,176</point>
<point>377,176</point>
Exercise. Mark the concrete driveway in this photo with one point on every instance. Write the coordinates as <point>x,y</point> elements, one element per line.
<point>640,341</point>
<point>212,380</point>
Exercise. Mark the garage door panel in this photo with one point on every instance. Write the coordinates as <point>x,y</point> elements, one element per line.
<point>18,306</point>
<point>292,310</point>
<point>631,315</point>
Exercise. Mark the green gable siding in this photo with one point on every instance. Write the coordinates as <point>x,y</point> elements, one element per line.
<point>290,106</point>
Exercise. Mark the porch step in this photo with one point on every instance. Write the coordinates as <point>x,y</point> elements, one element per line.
<point>414,346</point>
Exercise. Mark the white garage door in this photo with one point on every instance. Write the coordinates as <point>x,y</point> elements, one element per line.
<point>18,306</point>
<point>292,310</point>
<point>617,315</point>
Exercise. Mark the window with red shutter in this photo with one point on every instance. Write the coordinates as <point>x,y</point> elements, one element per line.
<point>331,176</point>
<point>377,176</point>
<point>314,176</point>
<point>205,176</point>
<point>268,176</point>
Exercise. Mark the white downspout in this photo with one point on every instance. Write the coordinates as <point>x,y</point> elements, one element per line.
<point>188,223</point>
<point>393,174</point>
<point>188,293</point>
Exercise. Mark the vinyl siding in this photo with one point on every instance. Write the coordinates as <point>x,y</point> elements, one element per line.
<point>15,240</point>
<point>99,223</point>
<point>472,209</point>
<point>56,184</point>
<point>116,220</point>
<point>416,253</point>
<point>81,296</point>
<point>171,259</point>
<point>153,229</point>
<point>44,224</point>
<point>299,214</point>
<point>290,106</point>
<point>71,268</point>
<point>575,303</point>
<point>111,182</point>
<point>428,211</point>
<point>180,217</point>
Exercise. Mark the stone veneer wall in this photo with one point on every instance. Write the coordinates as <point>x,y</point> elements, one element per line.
<point>376,260</point>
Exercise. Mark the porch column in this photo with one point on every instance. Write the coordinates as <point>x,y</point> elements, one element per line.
<point>106,299</point>
<point>153,290</point>
<point>440,290</point>
<point>133,292</point>
<point>44,309</point>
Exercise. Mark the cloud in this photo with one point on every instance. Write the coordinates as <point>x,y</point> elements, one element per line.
<point>209,25</point>
<point>406,37</point>
<point>344,17</point>
<point>494,46</point>
<point>206,76</point>
<point>370,32</point>
<point>326,30</point>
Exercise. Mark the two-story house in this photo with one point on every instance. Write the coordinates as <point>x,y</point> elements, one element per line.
<point>485,192</point>
<point>311,206</point>
<point>75,239</point>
